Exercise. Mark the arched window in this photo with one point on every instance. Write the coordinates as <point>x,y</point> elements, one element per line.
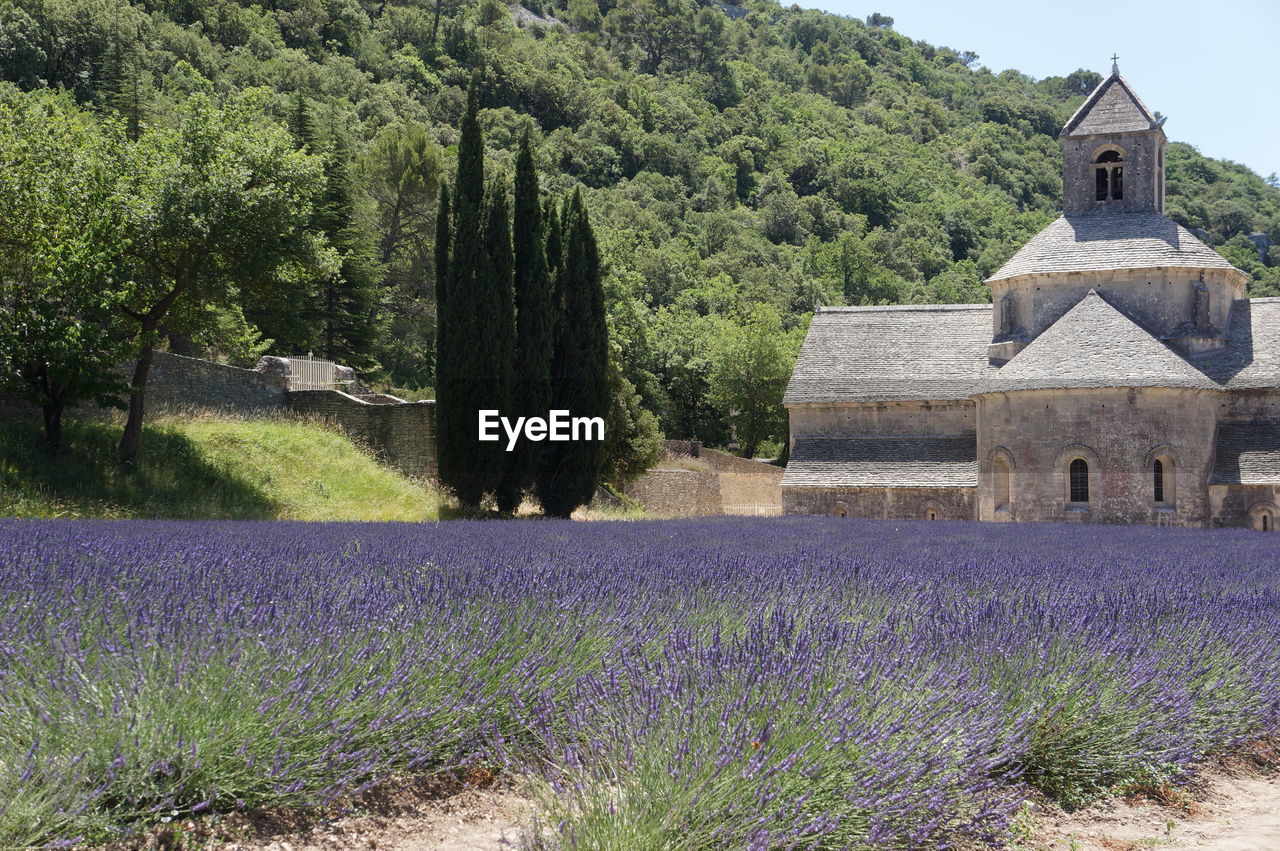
<point>1001,470</point>
<point>1079,476</point>
<point>1109,176</point>
<point>1162,476</point>
<point>840,509</point>
<point>931,514</point>
<point>1263,516</point>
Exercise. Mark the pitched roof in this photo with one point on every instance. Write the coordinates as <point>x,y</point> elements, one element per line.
<point>905,462</point>
<point>1095,345</point>
<point>1247,454</point>
<point>859,354</point>
<point>1111,108</point>
<point>1104,240</point>
<point>1251,358</point>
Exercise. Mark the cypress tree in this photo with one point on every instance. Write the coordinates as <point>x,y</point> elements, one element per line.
<point>571,470</point>
<point>555,244</point>
<point>461,464</point>
<point>442,273</point>
<point>495,309</point>
<point>531,369</point>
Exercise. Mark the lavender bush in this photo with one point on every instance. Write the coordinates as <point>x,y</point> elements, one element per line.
<point>796,682</point>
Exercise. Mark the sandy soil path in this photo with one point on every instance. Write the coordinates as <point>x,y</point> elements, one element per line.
<point>1232,805</point>
<point>1227,810</point>
<point>468,821</point>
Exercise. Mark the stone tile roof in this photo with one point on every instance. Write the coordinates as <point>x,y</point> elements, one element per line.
<point>1095,345</point>
<point>1111,108</point>
<point>877,462</point>
<point>1106,240</point>
<point>1247,454</point>
<point>1251,358</point>
<point>861,354</point>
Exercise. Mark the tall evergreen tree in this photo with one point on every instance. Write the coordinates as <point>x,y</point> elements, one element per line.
<point>534,348</point>
<point>443,233</point>
<point>555,250</point>
<point>346,301</point>
<point>571,470</point>
<point>126,89</point>
<point>459,371</point>
<point>495,309</point>
<point>302,122</point>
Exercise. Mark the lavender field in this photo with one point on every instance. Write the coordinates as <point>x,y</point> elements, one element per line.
<point>727,683</point>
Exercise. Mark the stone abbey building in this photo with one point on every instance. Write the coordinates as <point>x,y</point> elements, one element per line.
<point>1120,374</point>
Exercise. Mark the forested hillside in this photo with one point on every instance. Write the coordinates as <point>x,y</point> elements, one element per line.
<point>741,163</point>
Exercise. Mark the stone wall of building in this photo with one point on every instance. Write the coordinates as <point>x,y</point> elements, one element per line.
<point>1241,505</point>
<point>885,418</point>
<point>1143,164</point>
<point>1119,433</point>
<point>402,433</point>
<point>1250,405</point>
<point>1160,299</point>
<point>887,503</point>
<point>677,493</point>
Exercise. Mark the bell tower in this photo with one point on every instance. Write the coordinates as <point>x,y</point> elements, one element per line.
<point>1112,153</point>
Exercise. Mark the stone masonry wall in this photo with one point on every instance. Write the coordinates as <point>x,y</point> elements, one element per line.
<point>693,481</point>
<point>178,383</point>
<point>1118,432</point>
<point>402,433</point>
<point>1234,505</point>
<point>887,503</point>
<point>954,417</point>
<point>1250,405</point>
<point>1142,185</point>
<point>746,486</point>
<point>677,493</point>
<point>1160,299</point>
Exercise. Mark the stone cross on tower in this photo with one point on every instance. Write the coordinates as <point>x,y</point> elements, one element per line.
<point>1115,64</point>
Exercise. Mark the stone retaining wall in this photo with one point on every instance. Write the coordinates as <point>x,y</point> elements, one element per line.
<point>401,433</point>
<point>694,481</point>
<point>178,382</point>
<point>677,493</point>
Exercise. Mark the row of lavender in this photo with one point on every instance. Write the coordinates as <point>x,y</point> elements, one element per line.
<point>721,683</point>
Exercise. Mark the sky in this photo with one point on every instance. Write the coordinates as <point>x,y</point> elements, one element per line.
<point>1211,66</point>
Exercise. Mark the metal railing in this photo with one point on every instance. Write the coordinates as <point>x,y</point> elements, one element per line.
<point>308,372</point>
<point>754,509</point>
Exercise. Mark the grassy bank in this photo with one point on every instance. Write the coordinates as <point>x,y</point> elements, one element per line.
<point>205,467</point>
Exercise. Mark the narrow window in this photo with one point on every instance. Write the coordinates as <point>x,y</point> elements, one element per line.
<point>1102,184</point>
<point>1117,183</point>
<point>1002,484</point>
<point>1266,522</point>
<point>932,515</point>
<point>1159,481</point>
<point>1079,475</point>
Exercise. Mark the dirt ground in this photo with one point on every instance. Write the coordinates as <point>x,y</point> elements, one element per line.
<point>1233,805</point>
<point>427,814</point>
